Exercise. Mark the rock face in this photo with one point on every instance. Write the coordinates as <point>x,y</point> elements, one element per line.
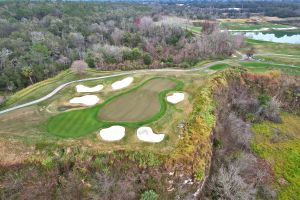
<point>2,100</point>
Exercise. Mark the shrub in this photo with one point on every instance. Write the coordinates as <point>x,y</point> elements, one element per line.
<point>149,195</point>
<point>217,143</point>
<point>264,99</point>
<point>90,61</point>
<point>200,174</point>
<point>134,54</point>
<point>48,163</point>
<point>147,59</point>
<point>271,111</point>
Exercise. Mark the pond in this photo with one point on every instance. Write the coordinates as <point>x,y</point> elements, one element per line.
<point>280,37</point>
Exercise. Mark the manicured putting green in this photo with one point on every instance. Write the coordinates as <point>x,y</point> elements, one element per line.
<point>147,109</point>
<point>137,105</point>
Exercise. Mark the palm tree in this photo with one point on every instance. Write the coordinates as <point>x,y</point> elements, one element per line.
<point>28,72</point>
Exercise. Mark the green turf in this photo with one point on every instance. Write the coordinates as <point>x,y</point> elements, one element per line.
<point>250,26</point>
<point>195,29</point>
<point>220,66</point>
<point>137,105</point>
<point>81,122</point>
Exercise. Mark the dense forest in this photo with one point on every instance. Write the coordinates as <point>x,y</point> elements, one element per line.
<point>37,40</point>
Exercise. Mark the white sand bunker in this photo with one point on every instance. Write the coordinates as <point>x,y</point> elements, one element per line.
<point>122,83</point>
<point>146,134</point>
<point>175,97</point>
<point>82,88</point>
<point>113,133</point>
<point>88,100</point>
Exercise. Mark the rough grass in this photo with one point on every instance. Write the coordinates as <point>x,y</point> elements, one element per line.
<point>136,105</point>
<point>78,123</point>
<point>279,145</point>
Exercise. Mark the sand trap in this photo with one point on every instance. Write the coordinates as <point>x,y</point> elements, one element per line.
<point>82,88</point>
<point>88,100</point>
<point>122,84</point>
<point>175,97</point>
<point>282,29</point>
<point>146,134</point>
<point>113,133</point>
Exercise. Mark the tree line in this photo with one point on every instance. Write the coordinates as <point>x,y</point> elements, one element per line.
<point>39,39</point>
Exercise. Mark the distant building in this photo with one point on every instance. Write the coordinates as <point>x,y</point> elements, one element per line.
<point>235,9</point>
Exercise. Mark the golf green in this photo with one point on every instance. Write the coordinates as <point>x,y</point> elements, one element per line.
<point>148,99</point>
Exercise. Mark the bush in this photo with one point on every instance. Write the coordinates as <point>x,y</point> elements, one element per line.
<point>90,61</point>
<point>217,143</point>
<point>147,59</point>
<point>168,60</point>
<point>149,195</point>
<point>271,111</point>
<point>134,54</point>
<point>264,99</point>
<point>48,163</point>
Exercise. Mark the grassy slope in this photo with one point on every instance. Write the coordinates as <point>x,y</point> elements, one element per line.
<point>82,122</point>
<point>279,144</point>
<point>42,88</point>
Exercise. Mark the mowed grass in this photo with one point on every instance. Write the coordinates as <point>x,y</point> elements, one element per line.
<point>279,144</point>
<point>264,66</point>
<point>81,122</point>
<point>137,105</point>
<point>265,47</point>
<point>220,66</point>
<point>250,26</point>
<point>195,29</point>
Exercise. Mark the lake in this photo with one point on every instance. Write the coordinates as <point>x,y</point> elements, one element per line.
<point>280,37</point>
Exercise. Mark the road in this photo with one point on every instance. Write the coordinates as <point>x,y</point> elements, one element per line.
<point>56,90</point>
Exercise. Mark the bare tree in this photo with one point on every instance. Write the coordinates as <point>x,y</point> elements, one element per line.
<point>239,130</point>
<point>79,67</point>
<point>145,23</point>
<point>117,36</point>
<point>228,183</point>
<point>37,37</point>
